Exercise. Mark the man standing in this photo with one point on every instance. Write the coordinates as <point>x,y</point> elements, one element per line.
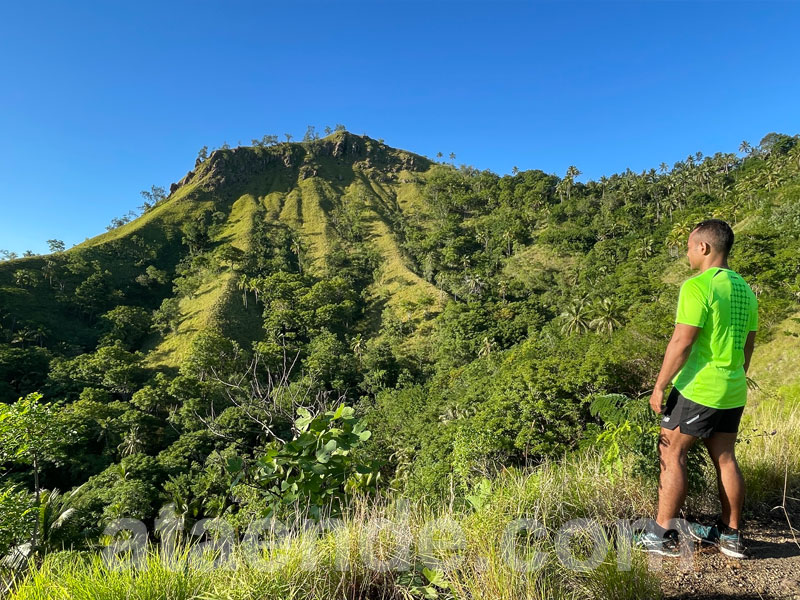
<point>706,361</point>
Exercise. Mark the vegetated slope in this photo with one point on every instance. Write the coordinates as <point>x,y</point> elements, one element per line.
<point>301,185</point>
<point>317,189</point>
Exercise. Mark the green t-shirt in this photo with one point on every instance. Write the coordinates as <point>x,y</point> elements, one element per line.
<point>721,302</point>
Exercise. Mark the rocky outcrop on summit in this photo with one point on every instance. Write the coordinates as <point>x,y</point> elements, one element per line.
<point>237,165</point>
<point>373,153</point>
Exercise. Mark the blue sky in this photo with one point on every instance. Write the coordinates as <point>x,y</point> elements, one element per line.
<point>99,101</point>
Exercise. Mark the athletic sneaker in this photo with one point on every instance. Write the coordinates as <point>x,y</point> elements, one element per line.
<point>732,544</point>
<point>705,534</point>
<point>655,544</point>
<point>728,540</point>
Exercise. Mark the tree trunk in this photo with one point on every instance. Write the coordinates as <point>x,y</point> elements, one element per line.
<point>37,491</point>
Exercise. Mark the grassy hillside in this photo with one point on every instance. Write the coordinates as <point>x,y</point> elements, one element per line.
<point>299,185</point>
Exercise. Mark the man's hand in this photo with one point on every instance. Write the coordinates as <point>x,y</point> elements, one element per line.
<point>657,400</point>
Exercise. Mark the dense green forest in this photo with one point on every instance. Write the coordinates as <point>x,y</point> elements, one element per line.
<point>304,323</point>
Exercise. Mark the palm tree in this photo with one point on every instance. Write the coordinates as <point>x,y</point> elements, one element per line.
<point>49,270</point>
<point>646,249</point>
<point>560,187</point>
<point>487,345</point>
<point>24,278</point>
<point>736,205</point>
<point>626,185</point>
<point>428,267</point>
<point>502,288</point>
<point>132,443</point>
<point>295,247</point>
<point>606,318</point>
<point>41,334</point>
<point>572,173</point>
<point>483,236</point>
<point>571,277</point>
<point>440,278</point>
<point>678,233</point>
<point>254,285</point>
<point>773,176</point>
<point>357,345</point>
<point>576,317</point>
<point>243,284</point>
<point>25,334</point>
<point>728,161</point>
<point>703,176</point>
<point>745,147</point>
<point>744,186</point>
<point>53,513</point>
<point>474,284</point>
<point>508,238</point>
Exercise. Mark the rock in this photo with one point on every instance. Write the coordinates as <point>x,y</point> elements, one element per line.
<point>181,183</point>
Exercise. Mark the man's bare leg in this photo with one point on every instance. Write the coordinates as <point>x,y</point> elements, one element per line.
<point>721,447</point>
<point>673,448</point>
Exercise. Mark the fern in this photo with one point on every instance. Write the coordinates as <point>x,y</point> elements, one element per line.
<point>628,428</point>
<point>615,409</point>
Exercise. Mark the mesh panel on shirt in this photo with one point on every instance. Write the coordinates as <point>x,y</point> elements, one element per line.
<point>740,311</point>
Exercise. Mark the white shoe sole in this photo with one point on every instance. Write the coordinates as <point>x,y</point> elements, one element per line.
<point>731,553</point>
<point>659,551</point>
<point>703,540</point>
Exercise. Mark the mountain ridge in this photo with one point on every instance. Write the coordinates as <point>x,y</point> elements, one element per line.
<point>298,184</point>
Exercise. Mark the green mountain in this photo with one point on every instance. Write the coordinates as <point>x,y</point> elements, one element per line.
<point>325,193</point>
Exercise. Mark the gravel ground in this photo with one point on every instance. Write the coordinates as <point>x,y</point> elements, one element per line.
<point>771,571</point>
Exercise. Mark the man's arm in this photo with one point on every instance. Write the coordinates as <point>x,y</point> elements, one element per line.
<point>678,350</point>
<point>748,349</point>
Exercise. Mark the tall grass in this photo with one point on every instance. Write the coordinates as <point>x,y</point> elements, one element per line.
<point>769,447</point>
<point>393,548</point>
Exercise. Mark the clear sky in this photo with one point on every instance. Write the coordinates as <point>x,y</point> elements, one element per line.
<point>101,100</point>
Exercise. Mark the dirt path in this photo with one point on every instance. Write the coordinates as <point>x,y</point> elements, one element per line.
<point>772,571</point>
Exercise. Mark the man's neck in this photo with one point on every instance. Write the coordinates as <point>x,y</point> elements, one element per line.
<point>715,263</point>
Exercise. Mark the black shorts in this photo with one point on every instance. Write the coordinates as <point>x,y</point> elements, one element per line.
<point>698,420</point>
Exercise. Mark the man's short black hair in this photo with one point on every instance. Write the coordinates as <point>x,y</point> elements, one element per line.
<point>717,233</point>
